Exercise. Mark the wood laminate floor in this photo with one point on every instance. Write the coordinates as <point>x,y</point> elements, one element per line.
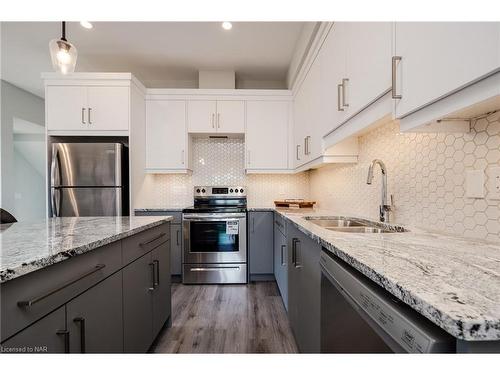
<point>227,319</point>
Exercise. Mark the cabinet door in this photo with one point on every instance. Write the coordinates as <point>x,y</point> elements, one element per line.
<point>176,249</point>
<point>201,117</point>
<point>260,242</point>
<point>294,297</point>
<point>230,116</point>
<point>368,68</point>
<point>137,305</point>
<point>280,264</point>
<point>266,137</point>
<point>439,58</point>
<point>108,108</point>
<point>161,293</point>
<point>307,255</point>
<point>95,320</point>
<point>48,335</point>
<point>67,108</point>
<point>166,135</point>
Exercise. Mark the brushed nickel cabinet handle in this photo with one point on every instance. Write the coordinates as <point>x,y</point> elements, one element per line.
<point>344,82</point>
<point>395,94</point>
<point>151,240</point>
<point>177,237</point>
<point>218,120</point>
<point>282,257</point>
<point>89,109</point>
<point>153,276</point>
<point>339,99</point>
<point>81,322</point>
<point>297,152</point>
<point>157,263</point>
<point>35,300</point>
<point>83,116</point>
<point>213,120</point>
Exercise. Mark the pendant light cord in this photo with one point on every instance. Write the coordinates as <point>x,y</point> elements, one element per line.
<point>63,31</point>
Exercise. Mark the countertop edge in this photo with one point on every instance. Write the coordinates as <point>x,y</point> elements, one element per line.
<point>39,264</point>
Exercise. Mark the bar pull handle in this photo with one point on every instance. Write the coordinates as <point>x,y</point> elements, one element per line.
<point>151,240</point>
<point>81,322</point>
<point>83,116</point>
<point>35,300</point>
<point>339,98</point>
<point>344,83</point>
<point>153,276</point>
<point>294,250</point>
<point>64,333</point>
<point>297,152</point>
<point>177,237</point>
<point>298,255</point>
<point>89,109</point>
<point>218,120</point>
<point>253,224</point>
<point>395,60</point>
<point>213,120</point>
<point>157,263</point>
<point>282,257</point>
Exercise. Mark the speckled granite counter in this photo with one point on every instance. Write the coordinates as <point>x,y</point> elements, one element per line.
<point>32,245</point>
<point>453,281</point>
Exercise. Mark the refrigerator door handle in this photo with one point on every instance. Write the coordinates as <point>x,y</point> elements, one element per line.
<point>54,181</point>
<point>56,201</point>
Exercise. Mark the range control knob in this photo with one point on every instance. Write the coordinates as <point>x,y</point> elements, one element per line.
<point>197,190</point>
<point>241,190</point>
<point>230,190</point>
<point>203,190</point>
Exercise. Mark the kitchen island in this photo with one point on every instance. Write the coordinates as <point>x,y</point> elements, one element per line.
<point>84,284</point>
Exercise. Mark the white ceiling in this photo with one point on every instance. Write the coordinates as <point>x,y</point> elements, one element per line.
<point>160,54</point>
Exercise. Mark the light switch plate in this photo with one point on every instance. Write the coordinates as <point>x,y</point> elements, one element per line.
<point>494,183</point>
<point>474,184</point>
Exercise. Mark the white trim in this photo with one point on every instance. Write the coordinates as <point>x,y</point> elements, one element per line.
<point>116,133</point>
<point>325,159</point>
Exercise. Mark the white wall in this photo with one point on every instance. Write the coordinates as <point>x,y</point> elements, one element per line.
<point>22,181</point>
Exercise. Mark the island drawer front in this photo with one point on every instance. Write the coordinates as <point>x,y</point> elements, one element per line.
<point>136,246</point>
<point>28,298</point>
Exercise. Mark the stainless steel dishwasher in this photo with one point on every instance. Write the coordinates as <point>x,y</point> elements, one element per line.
<point>358,316</point>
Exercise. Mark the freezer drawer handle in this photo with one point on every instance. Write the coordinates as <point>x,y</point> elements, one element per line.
<point>151,240</point>
<point>31,302</point>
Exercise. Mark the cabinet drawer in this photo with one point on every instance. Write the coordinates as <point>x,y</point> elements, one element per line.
<point>280,223</point>
<point>142,243</point>
<point>28,298</point>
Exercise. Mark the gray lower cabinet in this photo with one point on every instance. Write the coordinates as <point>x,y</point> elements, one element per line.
<point>161,293</point>
<point>94,319</point>
<point>48,335</point>
<point>280,259</point>
<point>304,289</point>
<point>137,307</point>
<point>176,249</point>
<point>260,244</point>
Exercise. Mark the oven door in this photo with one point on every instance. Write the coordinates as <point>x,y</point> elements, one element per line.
<point>215,238</point>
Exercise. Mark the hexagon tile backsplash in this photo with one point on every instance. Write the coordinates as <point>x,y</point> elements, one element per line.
<point>426,175</point>
<point>220,162</point>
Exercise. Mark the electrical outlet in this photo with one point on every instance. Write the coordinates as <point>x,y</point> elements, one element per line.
<point>494,183</point>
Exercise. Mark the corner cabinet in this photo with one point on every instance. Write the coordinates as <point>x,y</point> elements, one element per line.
<point>89,103</point>
<point>266,140</point>
<point>166,136</point>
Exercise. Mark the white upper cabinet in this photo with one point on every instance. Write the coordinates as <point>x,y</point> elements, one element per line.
<point>88,109</point>
<point>439,58</point>
<point>202,116</point>
<point>66,108</point>
<point>108,108</point>
<point>216,116</point>
<point>230,116</point>
<point>166,136</point>
<point>368,73</point>
<point>267,135</point>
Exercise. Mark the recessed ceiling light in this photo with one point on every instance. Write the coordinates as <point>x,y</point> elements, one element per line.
<point>227,25</point>
<point>86,24</point>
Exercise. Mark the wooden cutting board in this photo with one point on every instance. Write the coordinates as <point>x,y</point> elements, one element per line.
<point>294,203</point>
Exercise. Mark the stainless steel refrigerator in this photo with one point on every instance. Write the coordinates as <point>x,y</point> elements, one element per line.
<point>89,179</point>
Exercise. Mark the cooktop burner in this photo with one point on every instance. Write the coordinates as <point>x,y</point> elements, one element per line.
<point>218,199</point>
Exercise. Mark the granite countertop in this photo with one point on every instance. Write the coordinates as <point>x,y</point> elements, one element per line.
<point>452,281</point>
<point>32,245</point>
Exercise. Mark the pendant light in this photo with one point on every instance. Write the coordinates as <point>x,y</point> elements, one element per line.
<point>63,53</point>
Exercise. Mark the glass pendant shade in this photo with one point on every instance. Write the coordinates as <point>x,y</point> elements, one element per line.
<point>63,55</point>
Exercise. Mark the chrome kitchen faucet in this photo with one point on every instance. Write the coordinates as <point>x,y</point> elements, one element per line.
<point>384,208</point>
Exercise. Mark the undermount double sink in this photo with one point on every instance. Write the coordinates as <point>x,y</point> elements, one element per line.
<point>354,225</point>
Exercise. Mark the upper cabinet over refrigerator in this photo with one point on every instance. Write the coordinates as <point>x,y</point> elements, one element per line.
<point>435,59</point>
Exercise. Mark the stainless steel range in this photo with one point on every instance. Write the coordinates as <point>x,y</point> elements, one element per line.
<point>215,236</point>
